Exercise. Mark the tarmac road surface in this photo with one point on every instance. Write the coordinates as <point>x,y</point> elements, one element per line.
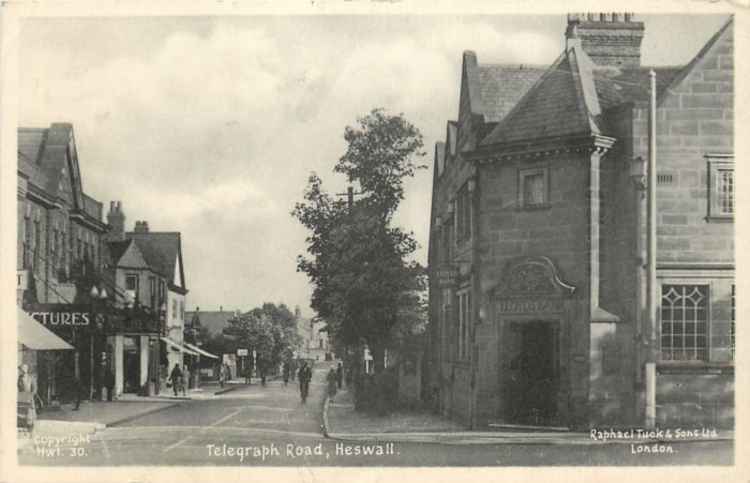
<point>269,426</point>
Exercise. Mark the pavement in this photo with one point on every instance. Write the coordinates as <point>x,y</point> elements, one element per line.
<point>270,426</point>
<point>93,416</point>
<point>342,422</point>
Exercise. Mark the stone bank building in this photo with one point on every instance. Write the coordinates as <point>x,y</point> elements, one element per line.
<point>538,238</point>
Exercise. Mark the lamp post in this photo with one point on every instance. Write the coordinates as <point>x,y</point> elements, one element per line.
<point>157,352</point>
<point>96,296</point>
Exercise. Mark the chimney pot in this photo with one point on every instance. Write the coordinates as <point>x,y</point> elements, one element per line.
<point>609,39</point>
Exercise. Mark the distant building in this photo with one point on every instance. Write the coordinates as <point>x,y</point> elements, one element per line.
<point>315,343</point>
<point>163,250</point>
<point>538,235</point>
<point>214,321</point>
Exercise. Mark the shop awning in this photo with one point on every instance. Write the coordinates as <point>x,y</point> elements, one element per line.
<point>201,351</point>
<point>35,336</point>
<point>178,347</point>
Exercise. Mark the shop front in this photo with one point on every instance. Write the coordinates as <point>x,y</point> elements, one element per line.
<point>132,352</point>
<point>56,372</point>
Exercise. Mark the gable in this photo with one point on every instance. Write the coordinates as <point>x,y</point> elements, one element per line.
<point>132,258</point>
<point>710,74</point>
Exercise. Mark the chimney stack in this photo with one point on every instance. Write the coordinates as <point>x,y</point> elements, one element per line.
<point>610,39</point>
<point>141,226</point>
<point>116,221</point>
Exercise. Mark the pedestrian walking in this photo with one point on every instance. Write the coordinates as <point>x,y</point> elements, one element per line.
<point>175,377</point>
<point>340,375</point>
<point>26,397</point>
<point>304,375</point>
<point>185,380</point>
<point>109,382</point>
<point>285,372</point>
<point>78,388</point>
<point>331,378</point>
<point>222,375</point>
<point>262,369</point>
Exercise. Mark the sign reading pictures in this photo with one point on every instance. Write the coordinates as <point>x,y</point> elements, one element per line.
<point>62,315</point>
<point>66,318</point>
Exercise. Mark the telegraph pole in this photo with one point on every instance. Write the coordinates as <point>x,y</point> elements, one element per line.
<point>349,197</point>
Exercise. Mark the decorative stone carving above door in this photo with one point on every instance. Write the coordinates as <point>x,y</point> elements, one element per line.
<point>531,277</point>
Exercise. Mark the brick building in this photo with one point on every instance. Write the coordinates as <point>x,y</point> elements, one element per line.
<point>133,348</point>
<point>60,232</point>
<point>538,237</point>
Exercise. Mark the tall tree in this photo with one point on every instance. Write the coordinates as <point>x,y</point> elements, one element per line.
<point>269,330</point>
<point>363,280</point>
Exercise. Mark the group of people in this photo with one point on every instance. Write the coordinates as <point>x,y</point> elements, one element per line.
<point>179,378</point>
<point>334,378</point>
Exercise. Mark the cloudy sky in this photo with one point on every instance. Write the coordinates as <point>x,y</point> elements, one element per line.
<point>210,126</point>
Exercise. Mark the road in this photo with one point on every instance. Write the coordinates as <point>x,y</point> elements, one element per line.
<point>269,426</point>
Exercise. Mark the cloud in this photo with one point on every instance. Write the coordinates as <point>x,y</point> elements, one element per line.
<point>213,131</point>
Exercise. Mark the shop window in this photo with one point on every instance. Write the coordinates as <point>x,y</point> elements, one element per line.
<point>721,185</point>
<point>684,323</point>
<point>533,188</point>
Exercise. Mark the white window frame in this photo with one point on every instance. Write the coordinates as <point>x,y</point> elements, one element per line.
<point>708,325</point>
<point>718,164</point>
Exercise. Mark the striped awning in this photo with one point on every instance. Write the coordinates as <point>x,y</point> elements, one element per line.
<point>201,351</point>
<point>176,346</point>
<point>35,336</point>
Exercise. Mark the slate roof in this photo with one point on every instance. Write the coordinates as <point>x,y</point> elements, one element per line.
<point>42,158</point>
<point>160,249</point>
<point>117,249</point>
<point>214,321</point>
<point>562,102</point>
<point>30,142</point>
<point>631,85</point>
<point>501,86</point>
<point>567,98</point>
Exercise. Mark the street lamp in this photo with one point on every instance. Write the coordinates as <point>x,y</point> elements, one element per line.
<point>638,173</point>
<point>96,296</point>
